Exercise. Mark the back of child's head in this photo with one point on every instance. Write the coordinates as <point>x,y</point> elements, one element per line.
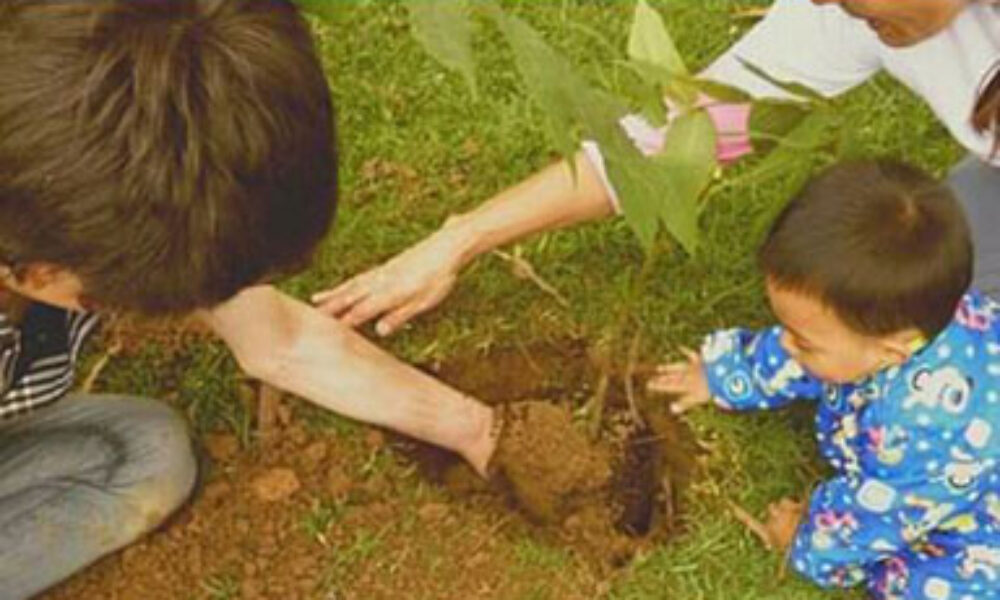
<point>168,152</point>
<point>881,243</point>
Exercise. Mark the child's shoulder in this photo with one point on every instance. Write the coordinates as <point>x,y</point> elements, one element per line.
<point>976,313</point>
<point>954,380</point>
<point>971,342</point>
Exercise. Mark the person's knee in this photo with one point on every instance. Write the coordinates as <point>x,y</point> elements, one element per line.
<point>163,467</point>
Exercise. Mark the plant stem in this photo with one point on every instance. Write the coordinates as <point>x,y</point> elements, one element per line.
<point>606,364</point>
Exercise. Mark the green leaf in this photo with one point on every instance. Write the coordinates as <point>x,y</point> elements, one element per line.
<point>444,29</point>
<point>689,155</point>
<point>815,130</point>
<point>639,92</point>
<point>649,41</point>
<point>772,119</point>
<point>660,189</point>
<point>719,91</point>
<point>684,89</point>
<point>650,191</point>
<point>635,180</point>
<point>792,162</point>
<point>551,81</point>
<point>675,87</point>
<point>791,87</point>
<point>649,194</point>
<point>633,176</point>
<point>652,108</point>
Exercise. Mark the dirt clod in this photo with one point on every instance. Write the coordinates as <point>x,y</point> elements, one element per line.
<point>375,439</point>
<point>338,482</point>
<point>315,453</point>
<point>433,511</point>
<point>275,485</point>
<point>221,447</point>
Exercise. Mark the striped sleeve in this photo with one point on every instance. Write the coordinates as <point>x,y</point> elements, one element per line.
<point>47,378</point>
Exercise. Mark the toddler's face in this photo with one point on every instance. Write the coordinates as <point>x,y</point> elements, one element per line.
<point>818,340</point>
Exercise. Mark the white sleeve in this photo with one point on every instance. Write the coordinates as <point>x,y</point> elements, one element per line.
<point>821,47</point>
<point>645,137</point>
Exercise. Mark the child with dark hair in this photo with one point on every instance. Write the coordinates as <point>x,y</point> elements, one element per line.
<point>164,157</point>
<point>867,271</point>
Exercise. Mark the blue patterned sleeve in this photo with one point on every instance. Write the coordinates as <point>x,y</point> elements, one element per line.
<point>749,370</point>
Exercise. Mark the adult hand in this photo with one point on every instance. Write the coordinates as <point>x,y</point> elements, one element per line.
<point>685,379</point>
<point>406,285</point>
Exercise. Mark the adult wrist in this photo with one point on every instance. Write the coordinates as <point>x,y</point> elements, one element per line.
<point>463,237</point>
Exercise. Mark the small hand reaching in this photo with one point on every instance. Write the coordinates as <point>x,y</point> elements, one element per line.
<point>685,379</point>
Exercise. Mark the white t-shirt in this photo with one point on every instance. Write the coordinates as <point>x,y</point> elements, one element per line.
<point>828,50</point>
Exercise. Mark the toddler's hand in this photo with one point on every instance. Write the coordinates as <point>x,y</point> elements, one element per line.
<point>778,531</point>
<point>783,519</point>
<point>685,379</point>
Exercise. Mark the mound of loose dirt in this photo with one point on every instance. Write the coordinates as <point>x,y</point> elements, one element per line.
<point>550,466</point>
<point>603,499</point>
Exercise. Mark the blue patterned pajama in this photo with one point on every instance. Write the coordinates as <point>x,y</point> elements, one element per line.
<point>913,507</point>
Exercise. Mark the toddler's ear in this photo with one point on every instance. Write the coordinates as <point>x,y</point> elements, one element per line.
<point>897,348</point>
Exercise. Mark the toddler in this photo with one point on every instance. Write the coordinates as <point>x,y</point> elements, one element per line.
<point>867,272</point>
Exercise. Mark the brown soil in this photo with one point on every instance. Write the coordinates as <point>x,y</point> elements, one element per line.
<point>606,498</point>
<point>552,469</point>
<point>128,334</point>
<point>319,515</point>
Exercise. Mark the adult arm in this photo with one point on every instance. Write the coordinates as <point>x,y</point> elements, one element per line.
<point>294,347</point>
<point>830,53</point>
<point>421,276</point>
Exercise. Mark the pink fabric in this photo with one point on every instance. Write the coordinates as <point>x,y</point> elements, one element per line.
<point>732,126</point>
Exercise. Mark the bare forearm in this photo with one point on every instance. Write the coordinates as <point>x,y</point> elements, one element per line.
<point>294,347</point>
<point>550,199</point>
<point>339,369</point>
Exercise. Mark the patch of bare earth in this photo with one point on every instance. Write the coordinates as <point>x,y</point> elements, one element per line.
<point>308,514</point>
<point>604,493</point>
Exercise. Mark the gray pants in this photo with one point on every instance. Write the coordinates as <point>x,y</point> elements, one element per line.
<point>82,478</point>
<point>977,186</point>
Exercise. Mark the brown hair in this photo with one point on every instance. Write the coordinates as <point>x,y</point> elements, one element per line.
<point>881,243</point>
<point>168,152</point>
<point>986,112</point>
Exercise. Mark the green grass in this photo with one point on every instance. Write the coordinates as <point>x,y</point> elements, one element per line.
<point>397,106</point>
<point>317,521</point>
<point>416,148</point>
